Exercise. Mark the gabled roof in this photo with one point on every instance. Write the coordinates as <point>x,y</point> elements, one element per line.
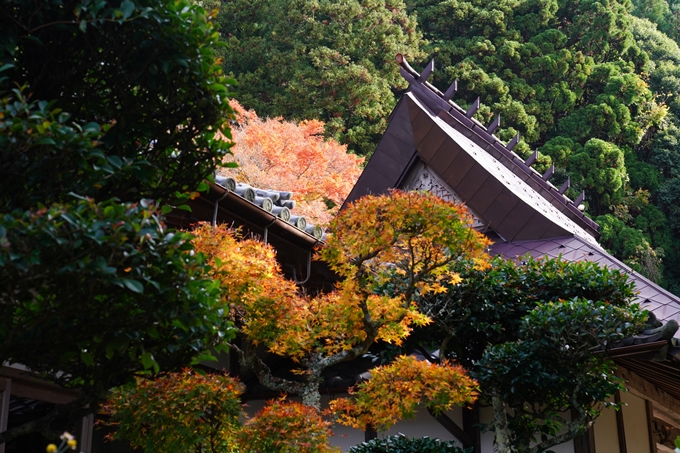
<point>522,207</point>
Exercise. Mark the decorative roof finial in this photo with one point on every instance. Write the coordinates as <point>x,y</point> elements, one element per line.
<point>473,109</point>
<point>426,72</point>
<point>493,126</point>
<point>451,91</point>
<point>565,186</point>
<point>513,142</point>
<point>548,174</point>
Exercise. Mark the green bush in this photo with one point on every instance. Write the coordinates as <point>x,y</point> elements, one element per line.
<point>403,444</point>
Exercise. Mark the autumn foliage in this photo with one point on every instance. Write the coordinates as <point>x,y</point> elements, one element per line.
<point>186,411</point>
<point>284,155</point>
<point>181,411</point>
<point>385,248</point>
<point>396,390</point>
<point>286,427</point>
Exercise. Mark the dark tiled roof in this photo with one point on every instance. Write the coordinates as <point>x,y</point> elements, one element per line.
<point>663,304</point>
<point>276,202</point>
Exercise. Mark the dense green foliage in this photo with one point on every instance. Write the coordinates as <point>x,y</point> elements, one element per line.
<point>590,85</point>
<point>330,60</point>
<point>528,331</point>
<point>104,105</point>
<point>403,444</point>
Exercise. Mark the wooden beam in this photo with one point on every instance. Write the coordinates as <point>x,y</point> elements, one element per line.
<point>26,385</point>
<point>6,387</point>
<point>641,388</point>
<point>620,427</point>
<point>453,428</point>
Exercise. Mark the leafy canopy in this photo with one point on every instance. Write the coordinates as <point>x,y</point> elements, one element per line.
<point>284,155</point>
<point>386,248</point>
<point>529,331</point>
<point>327,60</point>
<point>104,106</point>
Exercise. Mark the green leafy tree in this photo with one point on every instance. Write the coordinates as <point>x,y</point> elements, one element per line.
<point>106,108</point>
<point>600,169</point>
<point>327,60</point>
<point>527,331</point>
<point>403,444</point>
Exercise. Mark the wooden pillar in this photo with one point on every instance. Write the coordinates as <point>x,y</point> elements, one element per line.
<point>650,425</point>
<point>369,434</point>
<point>86,430</point>
<point>471,426</point>
<point>5,392</point>
<point>620,425</point>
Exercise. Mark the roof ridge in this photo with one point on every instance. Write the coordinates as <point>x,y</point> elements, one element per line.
<point>276,202</point>
<point>502,152</point>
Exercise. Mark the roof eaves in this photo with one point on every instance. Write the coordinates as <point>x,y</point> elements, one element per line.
<point>437,101</point>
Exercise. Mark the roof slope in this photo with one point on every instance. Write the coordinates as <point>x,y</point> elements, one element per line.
<point>522,207</point>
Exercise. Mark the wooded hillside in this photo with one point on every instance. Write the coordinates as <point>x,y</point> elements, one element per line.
<point>592,84</point>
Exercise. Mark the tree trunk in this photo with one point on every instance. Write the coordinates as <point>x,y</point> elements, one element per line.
<point>500,423</point>
<point>310,395</point>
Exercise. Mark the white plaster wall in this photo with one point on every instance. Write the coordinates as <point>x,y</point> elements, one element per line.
<point>425,425</point>
<point>635,423</point>
<point>486,416</point>
<point>606,433</point>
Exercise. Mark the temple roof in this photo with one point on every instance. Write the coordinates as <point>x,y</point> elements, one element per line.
<point>525,211</point>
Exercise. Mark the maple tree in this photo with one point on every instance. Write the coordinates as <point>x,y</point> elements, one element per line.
<point>181,411</point>
<point>188,411</point>
<point>386,249</point>
<point>273,153</point>
<point>286,427</point>
<point>396,390</point>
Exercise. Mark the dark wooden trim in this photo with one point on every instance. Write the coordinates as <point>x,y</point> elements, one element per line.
<point>586,442</point>
<point>6,387</point>
<point>650,425</point>
<point>620,427</point>
<point>591,439</point>
<point>453,428</point>
<point>370,433</point>
<point>471,426</point>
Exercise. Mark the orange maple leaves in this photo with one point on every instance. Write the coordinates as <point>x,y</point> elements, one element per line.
<point>284,155</point>
<point>395,391</point>
<point>386,249</point>
<point>286,427</point>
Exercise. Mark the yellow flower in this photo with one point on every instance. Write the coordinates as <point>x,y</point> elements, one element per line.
<point>72,443</point>
<point>51,448</point>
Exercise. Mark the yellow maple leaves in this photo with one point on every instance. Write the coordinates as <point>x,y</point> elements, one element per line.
<point>395,391</point>
<point>387,249</point>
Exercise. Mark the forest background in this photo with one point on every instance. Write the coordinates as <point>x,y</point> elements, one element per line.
<point>593,85</point>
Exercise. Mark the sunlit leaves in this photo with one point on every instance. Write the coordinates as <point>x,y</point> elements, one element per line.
<point>286,427</point>
<point>387,249</point>
<point>182,411</point>
<point>283,155</point>
<point>396,391</point>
